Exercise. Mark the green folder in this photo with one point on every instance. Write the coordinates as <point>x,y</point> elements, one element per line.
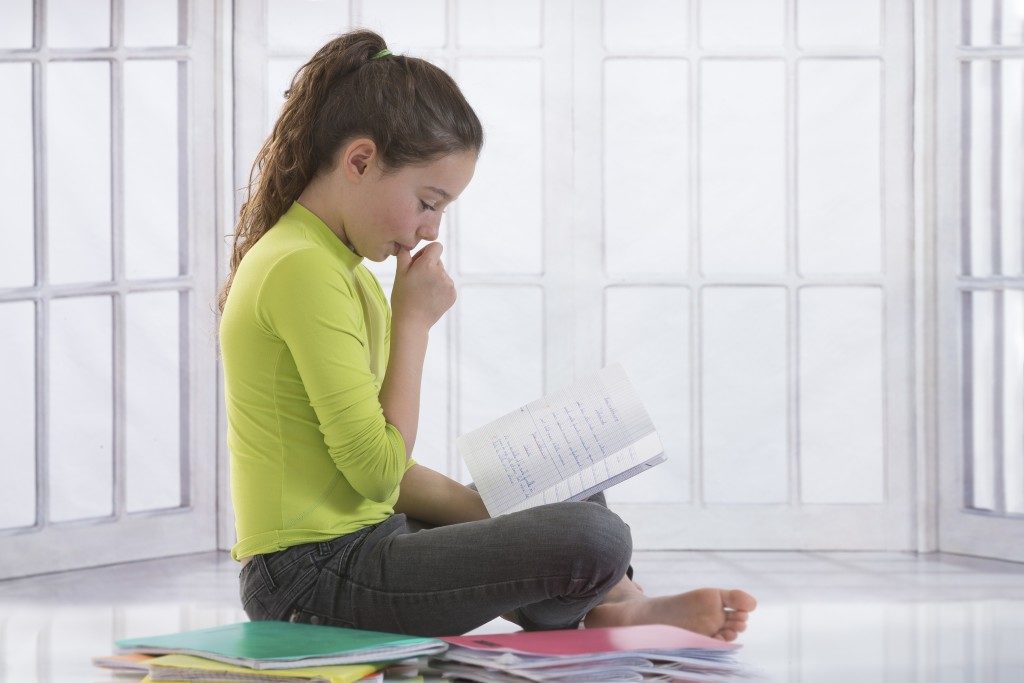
<point>286,645</point>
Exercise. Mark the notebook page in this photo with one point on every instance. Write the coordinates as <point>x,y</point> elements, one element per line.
<point>552,439</point>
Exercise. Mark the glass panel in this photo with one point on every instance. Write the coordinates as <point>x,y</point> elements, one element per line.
<point>839,166</point>
<point>744,399</point>
<point>1013,22</point>
<point>979,172</point>
<point>981,21</point>
<point>647,207</point>
<point>16,28</point>
<point>407,23</point>
<point>17,258</point>
<point>501,353</point>
<point>743,166</point>
<point>838,22</point>
<point>741,23</point>
<point>81,408</point>
<point>1012,177</point>
<point>510,174</point>
<point>981,382</point>
<point>305,25</point>
<point>78,23</point>
<point>151,148</point>
<point>645,24</point>
<point>842,442</point>
<point>150,22</point>
<point>78,170</point>
<point>431,448</point>
<point>153,392</point>
<point>499,23</point>
<point>658,364</point>
<point>1013,399</point>
<point>280,72</point>
<point>18,414</point>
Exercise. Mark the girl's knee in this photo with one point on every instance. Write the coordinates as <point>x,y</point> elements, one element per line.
<point>599,534</point>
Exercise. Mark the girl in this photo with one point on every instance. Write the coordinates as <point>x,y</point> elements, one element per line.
<point>336,523</point>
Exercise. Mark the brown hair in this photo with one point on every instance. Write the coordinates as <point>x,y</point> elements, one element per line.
<point>412,110</point>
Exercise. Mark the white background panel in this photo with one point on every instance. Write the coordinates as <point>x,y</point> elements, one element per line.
<point>150,22</point>
<point>1012,22</point>
<point>80,408</point>
<point>981,21</point>
<point>501,352</point>
<point>744,395</point>
<point>303,26</point>
<point>646,195</point>
<point>78,23</point>
<point>18,414</point>
<point>406,24</point>
<point>835,23</point>
<point>280,71</point>
<point>431,448</point>
<point>499,23</point>
<point>153,388</point>
<point>500,216</point>
<point>1013,398</point>
<point>741,23</point>
<point>979,168</point>
<point>17,267</point>
<point>980,399</point>
<point>839,173</point>
<point>742,166</point>
<point>78,170</point>
<point>16,28</point>
<point>151,168</point>
<point>842,458</point>
<point>647,329</point>
<point>645,24</point>
<point>1011,164</point>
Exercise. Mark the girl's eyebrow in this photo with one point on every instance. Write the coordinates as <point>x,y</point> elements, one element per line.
<point>439,191</point>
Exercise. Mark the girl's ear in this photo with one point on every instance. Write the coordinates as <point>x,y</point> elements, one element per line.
<point>357,157</point>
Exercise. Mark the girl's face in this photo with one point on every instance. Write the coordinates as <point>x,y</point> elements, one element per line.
<point>396,210</point>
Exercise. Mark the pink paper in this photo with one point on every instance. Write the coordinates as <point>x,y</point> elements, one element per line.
<point>592,640</point>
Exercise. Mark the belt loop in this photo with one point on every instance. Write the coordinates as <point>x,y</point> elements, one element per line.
<point>261,567</point>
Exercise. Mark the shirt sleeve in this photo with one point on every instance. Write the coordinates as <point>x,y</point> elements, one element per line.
<point>311,307</point>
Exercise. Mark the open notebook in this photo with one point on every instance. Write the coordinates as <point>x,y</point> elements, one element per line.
<point>566,446</point>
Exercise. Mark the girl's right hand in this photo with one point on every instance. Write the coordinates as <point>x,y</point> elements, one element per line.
<point>422,291</point>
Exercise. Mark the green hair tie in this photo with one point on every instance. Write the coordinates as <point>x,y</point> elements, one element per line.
<point>383,53</point>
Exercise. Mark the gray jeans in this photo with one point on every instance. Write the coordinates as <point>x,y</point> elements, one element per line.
<point>549,565</point>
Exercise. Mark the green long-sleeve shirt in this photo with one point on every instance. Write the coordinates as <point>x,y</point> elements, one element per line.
<point>305,337</point>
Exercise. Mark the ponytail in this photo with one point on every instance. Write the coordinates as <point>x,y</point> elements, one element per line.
<point>412,110</point>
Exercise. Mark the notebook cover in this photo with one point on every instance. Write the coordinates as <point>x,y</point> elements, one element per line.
<point>592,640</point>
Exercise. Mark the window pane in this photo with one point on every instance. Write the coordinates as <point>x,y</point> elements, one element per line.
<point>1013,22</point>
<point>510,175</point>
<point>150,22</point>
<point>16,28</point>
<point>1011,175</point>
<point>839,166</point>
<point>153,386</point>
<point>741,23</point>
<point>980,383</point>
<point>743,166</point>
<point>151,148</point>
<point>407,23</point>
<point>645,24</point>
<point>646,196</point>
<point>78,23</point>
<point>1013,399</point>
<point>17,258</point>
<point>499,23</point>
<point>835,23</point>
<point>501,352</point>
<point>78,170</point>
<point>978,85</point>
<point>981,21</point>
<point>280,71</point>
<point>303,26</point>
<point>842,458</point>
<point>744,392</point>
<point>658,364</point>
<point>18,414</point>
<point>81,408</point>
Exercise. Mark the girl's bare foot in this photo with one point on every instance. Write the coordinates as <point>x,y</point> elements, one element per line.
<point>712,612</point>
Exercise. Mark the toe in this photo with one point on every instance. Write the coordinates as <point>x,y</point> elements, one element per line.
<point>726,634</point>
<point>739,600</point>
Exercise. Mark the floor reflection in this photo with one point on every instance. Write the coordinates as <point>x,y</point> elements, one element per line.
<point>822,616</point>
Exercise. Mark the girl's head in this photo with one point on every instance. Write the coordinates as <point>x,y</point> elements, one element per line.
<point>351,105</point>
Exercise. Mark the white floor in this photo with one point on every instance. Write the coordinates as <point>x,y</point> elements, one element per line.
<point>837,616</point>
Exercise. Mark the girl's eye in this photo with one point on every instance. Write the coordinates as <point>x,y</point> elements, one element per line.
<point>426,207</point>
